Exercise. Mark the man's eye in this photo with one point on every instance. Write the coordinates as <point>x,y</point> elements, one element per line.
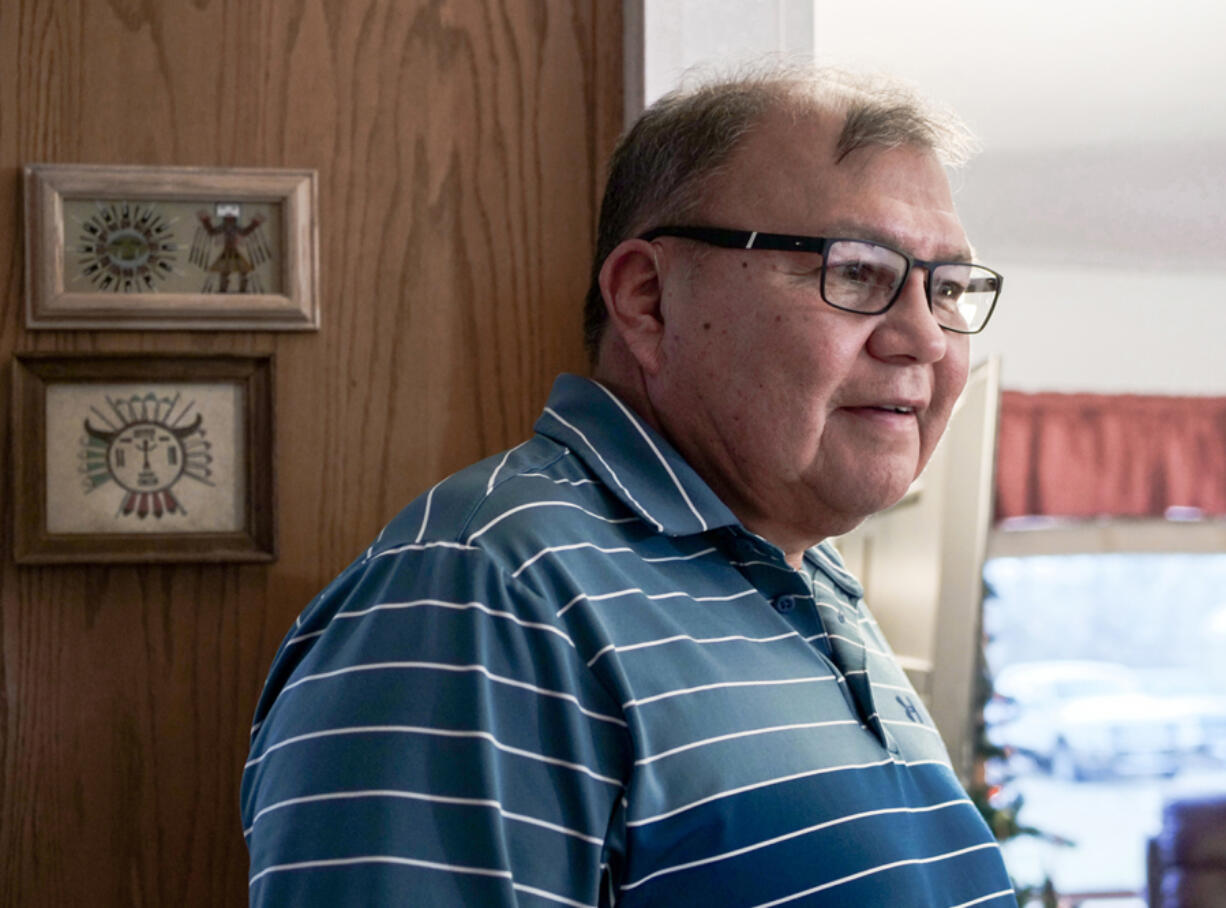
<point>863,273</point>
<point>948,291</point>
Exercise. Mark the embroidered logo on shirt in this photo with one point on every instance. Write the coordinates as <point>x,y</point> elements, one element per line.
<point>910,709</point>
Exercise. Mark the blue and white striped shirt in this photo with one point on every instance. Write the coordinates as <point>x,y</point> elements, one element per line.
<point>568,676</point>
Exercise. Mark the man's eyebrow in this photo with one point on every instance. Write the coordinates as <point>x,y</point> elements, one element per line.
<point>873,235</point>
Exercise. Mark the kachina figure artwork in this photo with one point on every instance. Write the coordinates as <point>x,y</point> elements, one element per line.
<point>135,459</point>
<point>156,246</point>
<point>228,247</point>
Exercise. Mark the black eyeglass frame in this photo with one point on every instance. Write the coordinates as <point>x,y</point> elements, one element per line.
<point>751,239</point>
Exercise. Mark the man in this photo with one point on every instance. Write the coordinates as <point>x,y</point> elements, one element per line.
<point>620,664</point>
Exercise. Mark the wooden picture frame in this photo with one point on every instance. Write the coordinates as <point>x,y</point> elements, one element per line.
<point>170,248</point>
<point>143,458</point>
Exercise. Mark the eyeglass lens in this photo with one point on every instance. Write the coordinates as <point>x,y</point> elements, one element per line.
<point>864,277</point>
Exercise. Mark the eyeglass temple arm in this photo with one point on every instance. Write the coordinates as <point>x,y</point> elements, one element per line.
<point>739,239</point>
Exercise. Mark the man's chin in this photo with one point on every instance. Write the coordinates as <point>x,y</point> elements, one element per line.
<point>898,493</point>
<point>873,498</point>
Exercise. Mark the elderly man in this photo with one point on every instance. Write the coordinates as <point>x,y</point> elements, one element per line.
<point>620,663</point>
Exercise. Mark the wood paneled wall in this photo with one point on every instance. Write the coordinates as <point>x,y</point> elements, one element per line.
<point>459,146</point>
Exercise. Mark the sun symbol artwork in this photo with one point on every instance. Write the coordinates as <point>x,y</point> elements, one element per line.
<point>126,247</point>
<point>145,445</point>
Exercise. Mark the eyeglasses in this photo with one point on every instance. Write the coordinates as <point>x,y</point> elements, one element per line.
<point>867,278</point>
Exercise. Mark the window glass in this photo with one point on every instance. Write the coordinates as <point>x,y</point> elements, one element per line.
<point>1109,680</point>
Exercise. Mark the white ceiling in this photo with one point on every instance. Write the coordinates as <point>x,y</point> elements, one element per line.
<point>1103,121</point>
<point>1138,206</point>
<point>1048,73</point>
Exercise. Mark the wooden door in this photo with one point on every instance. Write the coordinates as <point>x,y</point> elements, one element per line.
<point>459,148</point>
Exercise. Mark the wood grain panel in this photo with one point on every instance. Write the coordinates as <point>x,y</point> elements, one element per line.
<point>459,147</point>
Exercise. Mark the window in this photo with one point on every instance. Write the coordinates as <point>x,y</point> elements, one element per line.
<point>1110,696</point>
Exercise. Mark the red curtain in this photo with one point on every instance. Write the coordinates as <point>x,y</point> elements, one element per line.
<point>1091,455</point>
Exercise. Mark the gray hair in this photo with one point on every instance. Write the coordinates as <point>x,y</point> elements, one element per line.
<point>661,165</point>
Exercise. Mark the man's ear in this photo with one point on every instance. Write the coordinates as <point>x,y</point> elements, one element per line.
<point>630,281</point>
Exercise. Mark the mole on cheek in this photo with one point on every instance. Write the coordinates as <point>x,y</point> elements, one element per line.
<point>706,326</point>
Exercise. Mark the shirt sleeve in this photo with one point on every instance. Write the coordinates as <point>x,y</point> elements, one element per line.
<point>430,735</point>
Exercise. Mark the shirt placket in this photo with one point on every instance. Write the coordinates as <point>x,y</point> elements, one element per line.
<point>847,651</point>
<point>839,640</point>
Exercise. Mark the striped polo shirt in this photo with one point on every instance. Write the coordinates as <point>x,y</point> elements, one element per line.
<point>567,675</point>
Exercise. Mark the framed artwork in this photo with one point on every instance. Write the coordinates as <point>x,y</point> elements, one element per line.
<point>172,248</point>
<point>142,458</point>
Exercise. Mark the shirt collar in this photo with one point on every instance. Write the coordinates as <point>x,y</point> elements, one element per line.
<point>640,467</point>
<point>825,559</point>
<point>631,458</point>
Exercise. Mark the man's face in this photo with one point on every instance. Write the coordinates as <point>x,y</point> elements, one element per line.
<point>806,419</point>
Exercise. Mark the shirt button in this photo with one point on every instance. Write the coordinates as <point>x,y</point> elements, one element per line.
<point>785,603</point>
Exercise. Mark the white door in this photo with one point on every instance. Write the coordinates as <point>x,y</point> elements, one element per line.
<point>921,563</point>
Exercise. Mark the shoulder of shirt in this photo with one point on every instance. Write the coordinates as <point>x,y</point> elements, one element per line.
<point>484,505</point>
<point>435,532</point>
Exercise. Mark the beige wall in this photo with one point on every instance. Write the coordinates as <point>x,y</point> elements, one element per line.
<point>458,146</point>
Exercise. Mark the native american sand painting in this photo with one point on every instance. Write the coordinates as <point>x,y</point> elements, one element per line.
<point>144,458</point>
<point>155,246</point>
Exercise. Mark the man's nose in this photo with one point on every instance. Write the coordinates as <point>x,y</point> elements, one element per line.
<point>908,329</point>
